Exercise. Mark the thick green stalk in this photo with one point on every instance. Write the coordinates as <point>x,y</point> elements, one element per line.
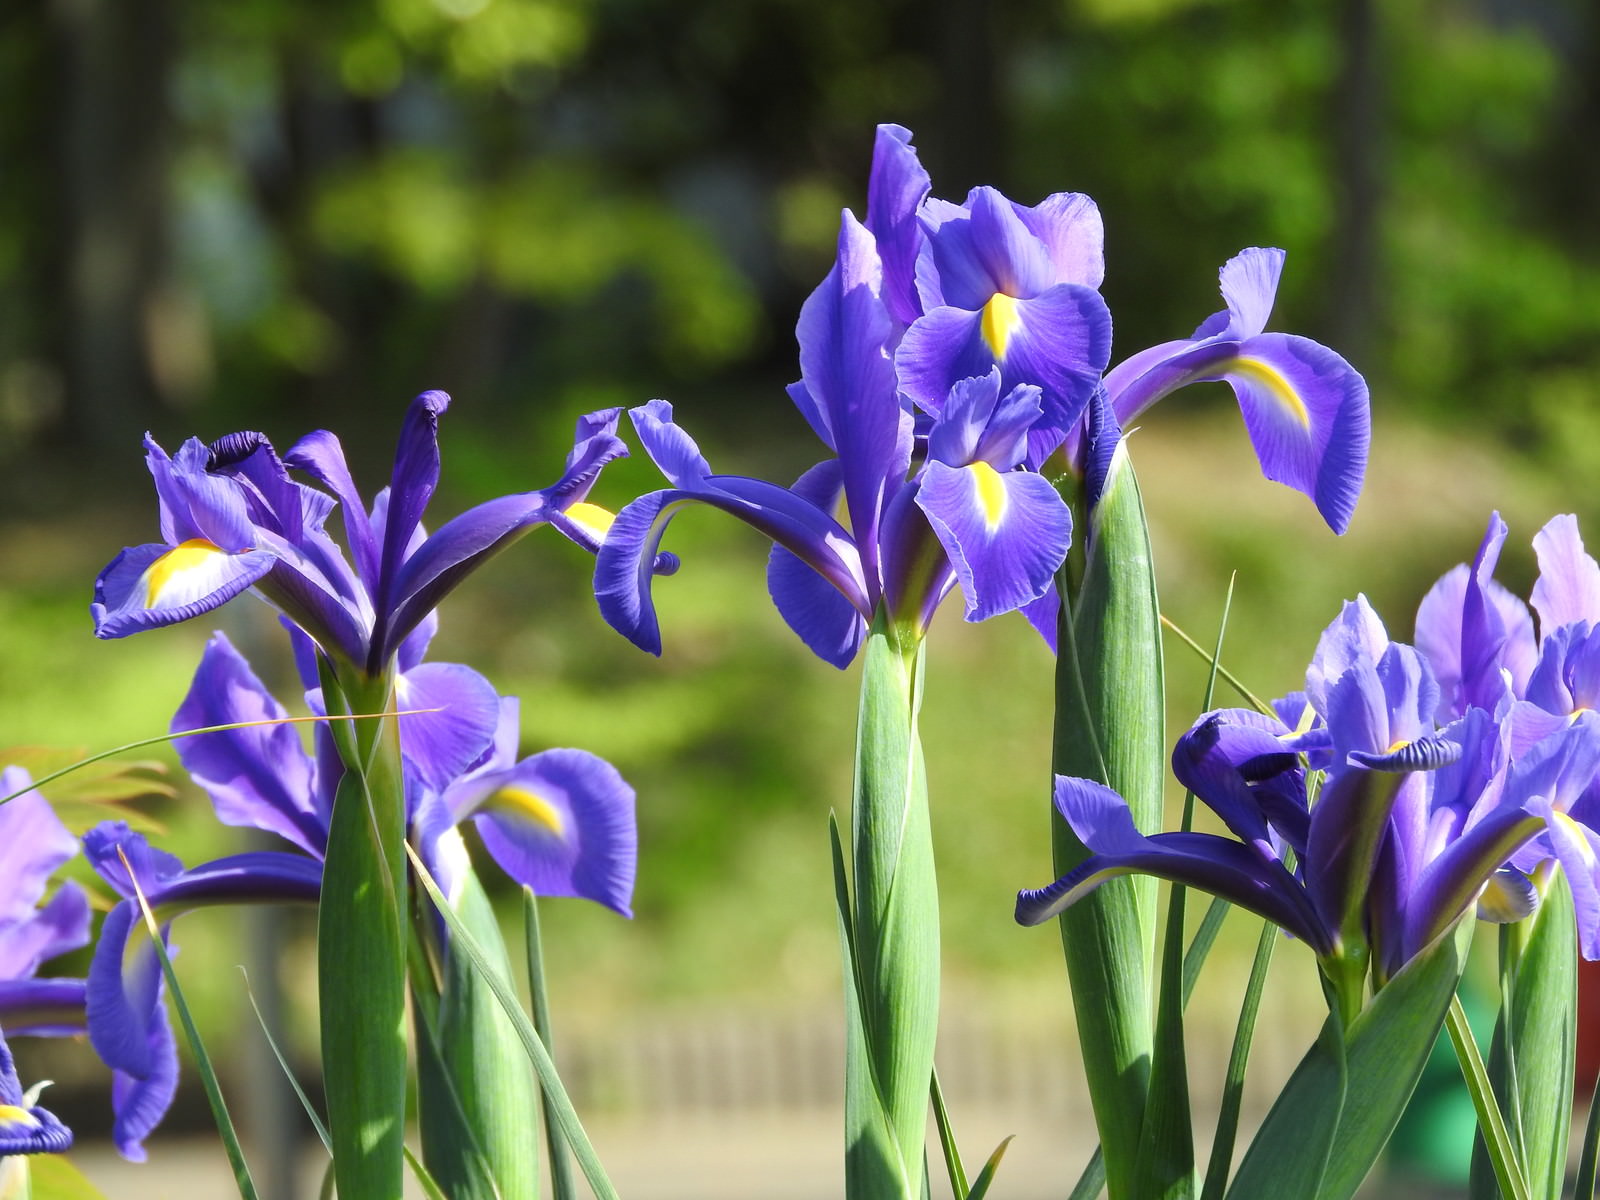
<point>895,918</point>
<point>361,948</point>
<point>1110,728</point>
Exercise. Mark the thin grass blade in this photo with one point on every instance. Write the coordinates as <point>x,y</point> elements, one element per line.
<point>980,1185</point>
<point>202,1060</point>
<point>1590,1156</point>
<point>288,1073</point>
<point>429,1188</point>
<point>1222,1143</point>
<point>959,1188</point>
<point>1502,1151</point>
<point>563,1184</point>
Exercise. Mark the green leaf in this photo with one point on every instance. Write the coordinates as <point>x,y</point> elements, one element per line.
<point>1590,1156</point>
<point>895,918</point>
<point>871,1152</point>
<point>208,1076</point>
<point>1238,1058</point>
<point>959,1188</point>
<point>1541,966</point>
<point>449,1140</point>
<point>543,1066</point>
<point>1312,1144</point>
<point>1093,1180</point>
<point>980,1185</point>
<point>492,1083</point>
<point>288,1072</point>
<point>361,947</point>
<point>430,1188</point>
<point>562,1183</point>
<point>1512,1183</point>
<point>1109,728</point>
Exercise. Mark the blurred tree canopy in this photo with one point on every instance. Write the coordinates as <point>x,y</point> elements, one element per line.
<point>286,213</point>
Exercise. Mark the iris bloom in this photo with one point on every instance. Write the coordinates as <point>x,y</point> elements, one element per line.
<point>913,499</point>
<point>560,822</point>
<point>33,844</point>
<point>1413,825</point>
<point>233,519</point>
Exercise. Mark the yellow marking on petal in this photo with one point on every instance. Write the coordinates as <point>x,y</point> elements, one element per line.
<point>592,518</point>
<point>1498,903</point>
<point>532,807</point>
<point>991,493</point>
<point>1268,377</point>
<point>1000,320</point>
<point>1400,745</point>
<point>10,1114</point>
<point>181,559</point>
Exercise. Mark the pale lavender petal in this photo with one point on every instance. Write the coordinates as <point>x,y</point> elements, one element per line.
<point>985,250</point>
<point>898,184</point>
<point>1356,635</point>
<point>1069,226</point>
<point>1250,285</point>
<point>33,844</point>
<point>60,926</point>
<point>1568,587</point>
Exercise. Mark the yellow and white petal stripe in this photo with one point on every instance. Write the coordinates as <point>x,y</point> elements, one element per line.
<point>153,585</point>
<point>529,808</point>
<point>1272,383</point>
<point>1001,317</point>
<point>184,574</point>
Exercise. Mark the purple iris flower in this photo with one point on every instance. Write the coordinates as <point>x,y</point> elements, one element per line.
<point>1306,409</point>
<point>916,497</point>
<point>1411,827</point>
<point>560,822</point>
<point>233,519</point>
<point>33,845</point>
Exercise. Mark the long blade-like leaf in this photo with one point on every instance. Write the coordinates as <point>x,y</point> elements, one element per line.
<point>562,1183</point>
<point>202,1060</point>
<point>430,1189</point>
<point>1502,1153</point>
<point>1238,1058</point>
<point>288,1072</point>
<point>947,1141</point>
<point>544,1067</point>
<point>985,1179</point>
<point>1589,1159</point>
<point>1110,710</point>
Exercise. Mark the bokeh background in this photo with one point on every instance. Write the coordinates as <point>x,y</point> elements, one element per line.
<point>286,214</point>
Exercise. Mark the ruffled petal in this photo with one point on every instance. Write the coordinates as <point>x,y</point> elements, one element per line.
<point>1249,286</point>
<point>139,1102</point>
<point>978,250</point>
<point>897,186</point>
<point>33,844</point>
<point>146,587</point>
<point>1069,226</point>
<point>60,926</point>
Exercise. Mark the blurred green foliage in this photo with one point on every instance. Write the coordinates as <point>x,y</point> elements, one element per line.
<point>284,214</point>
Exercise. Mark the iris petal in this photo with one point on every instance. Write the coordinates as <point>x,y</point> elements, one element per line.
<point>146,587</point>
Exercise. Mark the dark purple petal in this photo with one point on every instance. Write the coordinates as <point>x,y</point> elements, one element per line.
<point>261,777</point>
<point>25,1130</point>
<point>1213,864</point>
<point>561,823</point>
<point>623,568</point>
<point>896,187</point>
<point>108,843</point>
<point>195,504</point>
<point>1235,761</point>
<point>844,331</point>
<point>411,486</point>
<point>1006,534</point>
<point>442,745</point>
<point>146,587</point>
<point>669,445</point>
<point>976,251</point>
<point>43,1007</point>
<point>1568,587</point>
<point>976,424</point>
<point>139,1102</point>
<point>321,456</point>
<point>817,611</point>
<point>1044,614</point>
